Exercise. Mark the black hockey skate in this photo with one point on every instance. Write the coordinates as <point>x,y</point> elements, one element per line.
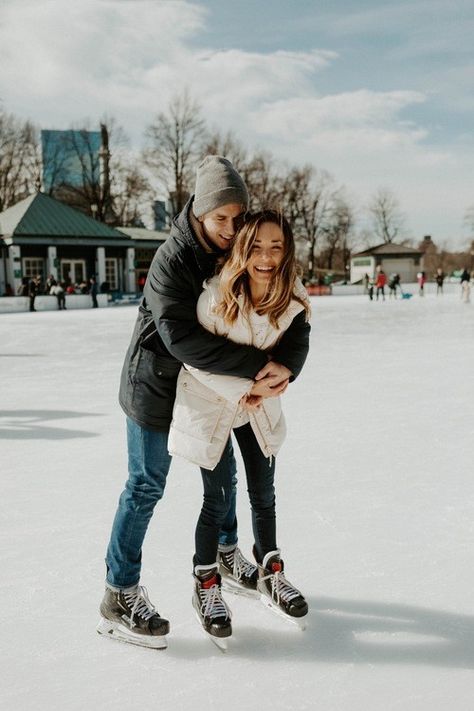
<point>211,609</point>
<point>239,575</point>
<point>277,593</point>
<point>129,616</point>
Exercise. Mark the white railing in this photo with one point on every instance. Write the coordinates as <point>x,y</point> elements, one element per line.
<point>16,304</point>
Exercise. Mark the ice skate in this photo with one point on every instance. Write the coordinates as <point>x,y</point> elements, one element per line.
<point>129,616</point>
<point>211,609</point>
<point>278,594</point>
<point>239,575</point>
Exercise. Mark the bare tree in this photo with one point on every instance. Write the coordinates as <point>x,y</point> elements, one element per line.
<point>83,187</point>
<point>227,145</point>
<point>19,159</point>
<point>305,199</point>
<point>338,227</point>
<point>174,143</point>
<point>132,194</point>
<point>469,219</point>
<point>387,218</point>
<point>263,182</point>
<point>97,174</point>
<point>258,170</point>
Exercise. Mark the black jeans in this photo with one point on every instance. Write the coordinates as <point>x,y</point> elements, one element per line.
<point>260,472</point>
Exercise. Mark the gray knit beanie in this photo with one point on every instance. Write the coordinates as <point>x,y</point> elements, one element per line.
<point>217,184</point>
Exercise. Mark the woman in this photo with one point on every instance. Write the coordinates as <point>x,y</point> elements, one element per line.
<point>253,300</point>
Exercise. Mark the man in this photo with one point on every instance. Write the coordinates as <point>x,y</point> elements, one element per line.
<point>167,333</point>
<point>33,289</point>
<point>93,292</point>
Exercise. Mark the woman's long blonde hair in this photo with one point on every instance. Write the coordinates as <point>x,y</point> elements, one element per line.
<point>234,279</point>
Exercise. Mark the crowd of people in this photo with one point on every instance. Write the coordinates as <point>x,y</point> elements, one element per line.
<point>375,286</point>
<point>34,286</point>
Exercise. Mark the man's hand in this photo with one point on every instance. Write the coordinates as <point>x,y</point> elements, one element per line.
<point>272,380</point>
<point>274,370</point>
<point>264,389</point>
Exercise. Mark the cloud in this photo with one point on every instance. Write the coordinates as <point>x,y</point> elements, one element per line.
<point>349,114</point>
<point>63,56</point>
<point>413,18</point>
<point>64,61</point>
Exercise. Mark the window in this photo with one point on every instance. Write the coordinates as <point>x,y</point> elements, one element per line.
<point>111,273</point>
<point>33,267</point>
<point>73,271</point>
<point>362,262</point>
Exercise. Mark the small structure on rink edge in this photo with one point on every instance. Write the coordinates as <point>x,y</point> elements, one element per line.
<point>391,257</point>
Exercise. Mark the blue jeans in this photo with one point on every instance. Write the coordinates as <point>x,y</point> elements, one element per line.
<point>148,467</point>
<point>219,491</point>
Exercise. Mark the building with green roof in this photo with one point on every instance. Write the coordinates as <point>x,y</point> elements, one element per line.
<point>42,236</point>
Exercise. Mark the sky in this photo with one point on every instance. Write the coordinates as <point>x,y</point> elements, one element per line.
<point>377,93</point>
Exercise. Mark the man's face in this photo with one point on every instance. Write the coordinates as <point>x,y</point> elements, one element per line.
<point>221,225</point>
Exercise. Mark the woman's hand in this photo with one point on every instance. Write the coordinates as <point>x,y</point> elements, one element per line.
<point>272,380</point>
<point>251,402</point>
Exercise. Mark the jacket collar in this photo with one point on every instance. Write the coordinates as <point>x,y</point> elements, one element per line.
<point>183,226</point>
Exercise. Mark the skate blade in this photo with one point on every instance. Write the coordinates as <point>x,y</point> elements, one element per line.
<point>232,586</point>
<point>220,642</point>
<point>298,622</point>
<point>114,630</point>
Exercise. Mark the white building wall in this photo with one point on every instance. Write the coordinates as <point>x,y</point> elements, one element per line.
<point>14,267</point>
<point>130,284</point>
<point>15,304</point>
<point>405,267</point>
<point>360,266</point>
<point>100,265</point>
<point>52,262</point>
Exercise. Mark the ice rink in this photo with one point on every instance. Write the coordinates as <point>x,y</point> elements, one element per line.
<point>375,502</point>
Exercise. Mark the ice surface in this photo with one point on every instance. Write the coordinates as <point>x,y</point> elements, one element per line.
<point>375,488</point>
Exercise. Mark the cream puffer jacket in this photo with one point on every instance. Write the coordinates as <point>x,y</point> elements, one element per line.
<point>207,405</point>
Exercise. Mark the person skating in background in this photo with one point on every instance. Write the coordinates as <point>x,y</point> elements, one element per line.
<point>465,286</point>
<point>50,282</point>
<point>370,288</point>
<point>33,290</point>
<point>439,279</point>
<point>421,277</point>
<point>57,290</point>
<point>380,283</point>
<point>167,333</point>
<point>253,300</point>
<point>393,285</point>
<point>93,292</point>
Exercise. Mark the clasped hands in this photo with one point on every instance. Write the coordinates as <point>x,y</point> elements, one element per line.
<point>271,381</point>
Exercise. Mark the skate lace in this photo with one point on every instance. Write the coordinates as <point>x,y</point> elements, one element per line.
<point>241,567</point>
<point>282,589</point>
<point>212,603</point>
<point>140,604</point>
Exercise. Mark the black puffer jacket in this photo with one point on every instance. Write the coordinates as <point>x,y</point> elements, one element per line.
<point>167,333</point>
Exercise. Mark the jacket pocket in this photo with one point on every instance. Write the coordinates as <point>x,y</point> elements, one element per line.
<point>151,386</point>
<point>197,409</point>
<point>148,365</point>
